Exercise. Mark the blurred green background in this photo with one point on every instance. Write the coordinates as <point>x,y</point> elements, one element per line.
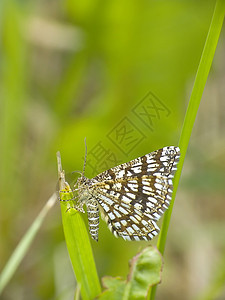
<point>119,74</point>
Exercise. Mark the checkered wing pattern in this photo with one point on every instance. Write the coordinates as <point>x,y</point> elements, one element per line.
<point>134,195</point>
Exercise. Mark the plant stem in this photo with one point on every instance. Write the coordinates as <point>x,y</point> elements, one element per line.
<point>77,240</point>
<point>196,95</point>
<point>24,245</point>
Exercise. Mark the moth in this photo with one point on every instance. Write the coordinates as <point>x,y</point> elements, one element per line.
<point>131,197</point>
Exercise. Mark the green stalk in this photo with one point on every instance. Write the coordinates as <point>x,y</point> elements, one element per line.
<point>196,95</point>
<point>24,245</point>
<point>78,243</point>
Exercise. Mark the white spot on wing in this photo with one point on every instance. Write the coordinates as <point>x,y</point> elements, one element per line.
<point>126,199</point>
<point>130,230</point>
<point>133,181</point>
<point>131,195</point>
<point>106,200</point>
<point>118,185</point>
<point>117,225</point>
<point>144,222</point>
<point>122,210</point>
<point>135,227</point>
<point>126,237</point>
<point>150,204</point>
<point>133,187</point>
<point>123,222</point>
<point>105,207</point>
<point>157,216</point>
<point>152,199</point>
<point>134,220</point>
<point>120,174</point>
<point>138,206</point>
<point>137,169</point>
<point>150,235</point>
<point>111,216</point>
<point>117,214</point>
<point>158,186</point>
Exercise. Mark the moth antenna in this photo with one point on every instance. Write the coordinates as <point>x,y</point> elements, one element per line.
<point>85,158</point>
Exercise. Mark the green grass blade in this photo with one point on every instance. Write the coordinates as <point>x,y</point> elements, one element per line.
<point>24,245</point>
<point>78,243</point>
<point>196,95</point>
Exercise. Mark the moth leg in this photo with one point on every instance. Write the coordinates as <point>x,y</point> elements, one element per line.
<point>78,206</point>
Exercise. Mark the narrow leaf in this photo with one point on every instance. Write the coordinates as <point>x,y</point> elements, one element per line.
<point>196,95</point>
<point>77,240</point>
<point>23,246</point>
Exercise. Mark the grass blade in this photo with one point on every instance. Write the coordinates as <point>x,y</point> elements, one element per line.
<point>23,246</point>
<point>78,243</point>
<point>196,95</point>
